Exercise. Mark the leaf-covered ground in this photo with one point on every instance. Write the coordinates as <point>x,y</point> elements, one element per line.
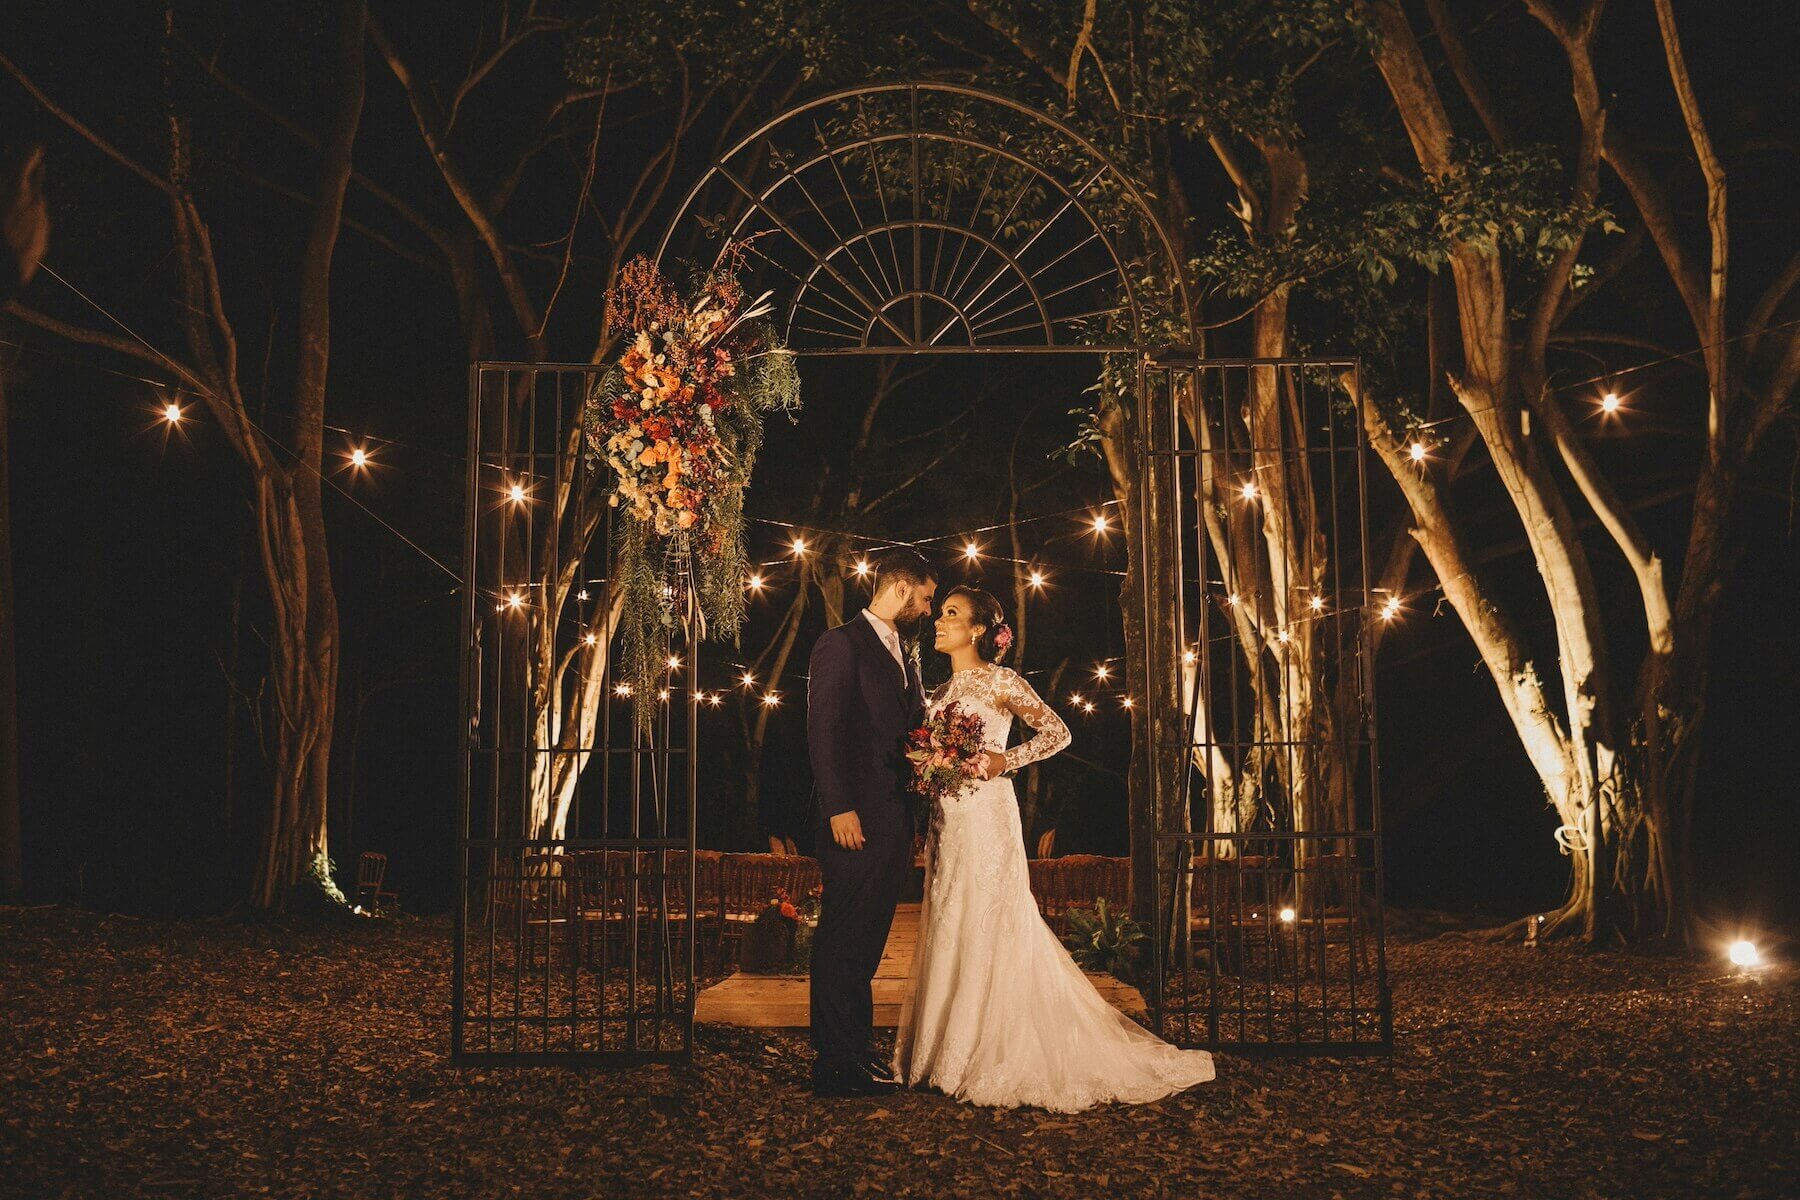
<point>224,1058</point>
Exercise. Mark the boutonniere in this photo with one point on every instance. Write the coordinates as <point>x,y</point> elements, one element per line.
<point>912,655</point>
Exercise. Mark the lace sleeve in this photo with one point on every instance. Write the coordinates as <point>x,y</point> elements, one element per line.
<point>1050,734</point>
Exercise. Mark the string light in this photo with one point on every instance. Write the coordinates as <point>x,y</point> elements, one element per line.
<point>1037,579</point>
<point>621,689</point>
<point>1287,914</point>
<point>1390,608</point>
<point>749,679</point>
<point>971,552</point>
<point>592,639</point>
<point>1609,403</point>
<point>1417,450</point>
<point>516,493</point>
<point>674,663</point>
<point>862,566</point>
<point>1282,636</point>
<point>515,600</point>
<point>1189,657</point>
<point>359,458</point>
<point>1232,599</point>
<point>799,546</point>
<point>1317,603</point>
<point>1102,671</point>
<point>1248,491</point>
<point>1743,953</point>
<point>715,699</point>
<point>1075,698</point>
<point>1087,706</point>
<point>582,595</point>
<point>1128,702</point>
<point>771,699</point>
<point>663,694</point>
<point>172,413</point>
<point>756,583</point>
<point>1100,523</point>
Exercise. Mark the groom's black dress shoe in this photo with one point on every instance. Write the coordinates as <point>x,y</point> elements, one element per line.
<point>847,1077</point>
<point>878,1068</point>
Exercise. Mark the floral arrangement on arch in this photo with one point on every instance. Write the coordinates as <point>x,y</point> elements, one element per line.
<point>678,418</point>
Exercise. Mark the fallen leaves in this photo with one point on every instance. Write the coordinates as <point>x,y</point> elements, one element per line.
<point>223,1059</point>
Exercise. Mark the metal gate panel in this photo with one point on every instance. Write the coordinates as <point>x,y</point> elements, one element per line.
<point>1260,712</point>
<point>576,927</point>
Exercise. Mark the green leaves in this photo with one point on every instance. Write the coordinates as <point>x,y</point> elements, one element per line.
<point>1104,939</point>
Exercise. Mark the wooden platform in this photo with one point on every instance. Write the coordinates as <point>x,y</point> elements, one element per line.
<point>780,1001</point>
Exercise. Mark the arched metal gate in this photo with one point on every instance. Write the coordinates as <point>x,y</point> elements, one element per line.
<point>892,219</point>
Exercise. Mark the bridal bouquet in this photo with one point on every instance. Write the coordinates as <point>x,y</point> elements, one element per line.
<point>945,752</point>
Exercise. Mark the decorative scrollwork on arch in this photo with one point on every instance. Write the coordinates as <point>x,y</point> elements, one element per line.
<point>923,217</point>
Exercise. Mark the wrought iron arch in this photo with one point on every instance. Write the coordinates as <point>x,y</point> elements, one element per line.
<point>928,217</point>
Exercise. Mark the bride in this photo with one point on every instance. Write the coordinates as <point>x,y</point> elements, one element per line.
<point>996,1012</point>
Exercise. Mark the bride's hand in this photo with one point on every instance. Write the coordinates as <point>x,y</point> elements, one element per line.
<point>993,765</point>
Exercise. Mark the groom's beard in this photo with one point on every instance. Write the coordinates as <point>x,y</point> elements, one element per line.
<point>909,627</point>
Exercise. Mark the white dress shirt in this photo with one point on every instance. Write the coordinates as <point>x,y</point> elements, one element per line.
<point>889,638</point>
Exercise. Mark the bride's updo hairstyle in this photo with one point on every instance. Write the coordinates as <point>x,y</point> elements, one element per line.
<point>992,645</point>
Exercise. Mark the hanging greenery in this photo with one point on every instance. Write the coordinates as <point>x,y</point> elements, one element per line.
<point>679,420</point>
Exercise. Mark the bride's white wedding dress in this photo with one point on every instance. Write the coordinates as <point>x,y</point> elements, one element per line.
<point>996,1012</point>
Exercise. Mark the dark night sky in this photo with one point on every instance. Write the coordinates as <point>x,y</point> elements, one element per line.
<point>129,543</point>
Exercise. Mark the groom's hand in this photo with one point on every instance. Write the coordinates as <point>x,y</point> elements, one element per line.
<point>846,830</point>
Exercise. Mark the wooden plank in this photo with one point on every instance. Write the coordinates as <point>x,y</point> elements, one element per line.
<point>782,1001</point>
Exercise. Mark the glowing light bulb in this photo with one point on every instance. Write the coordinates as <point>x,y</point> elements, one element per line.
<point>621,689</point>
<point>749,679</point>
<point>582,595</point>
<point>799,545</point>
<point>516,493</point>
<point>771,699</point>
<point>1128,702</point>
<point>1231,599</point>
<point>1282,636</point>
<point>1100,523</point>
<point>1102,671</point>
<point>1609,402</point>
<point>1037,579</point>
<point>1390,608</point>
<point>515,600</point>
<point>715,700</point>
<point>1075,698</point>
<point>862,566</point>
<point>359,457</point>
<point>756,583</point>
<point>1317,603</point>
<point>1087,706</point>
<point>591,639</point>
<point>663,694</point>
<point>674,663</point>
<point>971,551</point>
<point>1417,450</point>
<point>1743,953</point>
<point>172,413</point>
<point>1189,657</point>
<point>1248,491</point>
<point>1287,914</point>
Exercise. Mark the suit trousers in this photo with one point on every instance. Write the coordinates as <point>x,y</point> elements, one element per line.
<point>856,911</point>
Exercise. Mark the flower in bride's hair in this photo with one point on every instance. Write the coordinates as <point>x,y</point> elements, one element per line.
<point>1003,636</point>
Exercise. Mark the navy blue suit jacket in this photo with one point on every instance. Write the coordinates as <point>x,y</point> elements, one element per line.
<point>859,708</point>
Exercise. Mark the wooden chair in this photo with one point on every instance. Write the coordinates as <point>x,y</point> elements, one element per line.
<point>371,875</point>
<point>1075,881</point>
<point>535,896</point>
<point>749,882</point>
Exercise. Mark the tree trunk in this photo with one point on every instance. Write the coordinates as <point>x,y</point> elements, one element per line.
<point>12,861</point>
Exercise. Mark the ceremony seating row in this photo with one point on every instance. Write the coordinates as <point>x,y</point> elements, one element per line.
<point>582,900</point>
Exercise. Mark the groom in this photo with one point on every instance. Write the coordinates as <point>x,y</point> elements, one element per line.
<point>863,697</point>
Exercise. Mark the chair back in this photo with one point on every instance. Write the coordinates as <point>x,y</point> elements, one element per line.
<point>371,869</point>
<point>750,880</point>
<point>1046,843</point>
